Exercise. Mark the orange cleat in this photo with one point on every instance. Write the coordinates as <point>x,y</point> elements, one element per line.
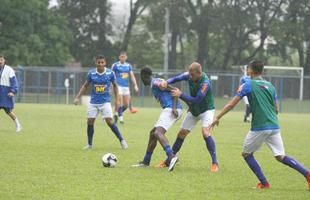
<point>161,164</point>
<point>214,167</point>
<point>133,110</point>
<point>308,179</point>
<point>262,186</point>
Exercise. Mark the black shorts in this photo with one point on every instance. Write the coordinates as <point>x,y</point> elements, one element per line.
<point>7,110</point>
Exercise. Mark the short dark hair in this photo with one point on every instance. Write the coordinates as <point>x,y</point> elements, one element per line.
<point>122,53</point>
<point>2,56</point>
<point>257,66</point>
<point>100,57</point>
<point>146,72</point>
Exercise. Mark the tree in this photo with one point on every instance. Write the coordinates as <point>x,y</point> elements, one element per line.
<point>32,34</point>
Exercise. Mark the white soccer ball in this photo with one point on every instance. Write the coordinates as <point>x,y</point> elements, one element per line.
<point>109,160</point>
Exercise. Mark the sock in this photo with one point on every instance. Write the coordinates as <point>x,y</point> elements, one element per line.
<point>177,145</point>
<point>121,118</point>
<point>116,132</point>
<point>295,165</point>
<point>168,151</point>
<point>16,122</point>
<point>147,157</point>
<point>120,111</point>
<point>211,148</point>
<point>90,133</point>
<point>256,169</point>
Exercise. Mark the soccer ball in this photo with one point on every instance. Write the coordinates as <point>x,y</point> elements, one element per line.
<point>109,160</point>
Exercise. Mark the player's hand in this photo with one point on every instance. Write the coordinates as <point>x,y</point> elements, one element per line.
<point>175,113</point>
<point>136,89</point>
<point>76,101</point>
<point>176,92</point>
<point>11,94</point>
<point>215,122</point>
<point>163,85</point>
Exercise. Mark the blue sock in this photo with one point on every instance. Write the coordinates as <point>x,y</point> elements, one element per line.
<point>90,133</point>
<point>168,151</point>
<point>295,165</point>
<point>256,169</point>
<point>147,157</point>
<point>120,111</point>
<point>116,132</point>
<point>177,145</point>
<point>211,148</point>
<point>124,108</point>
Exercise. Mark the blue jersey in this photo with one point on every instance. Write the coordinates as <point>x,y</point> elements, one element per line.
<point>164,97</point>
<point>100,85</point>
<point>8,83</point>
<point>244,78</point>
<point>122,73</point>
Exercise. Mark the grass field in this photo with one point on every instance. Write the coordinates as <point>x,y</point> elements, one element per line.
<point>46,161</point>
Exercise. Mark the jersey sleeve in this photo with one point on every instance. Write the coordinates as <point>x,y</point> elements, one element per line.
<point>244,89</point>
<point>181,77</point>
<point>89,77</point>
<point>205,86</point>
<point>112,77</point>
<point>13,82</point>
<point>156,82</point>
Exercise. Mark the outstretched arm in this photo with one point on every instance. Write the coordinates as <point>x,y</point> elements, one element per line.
<point>116,95</point>
<point>81,92</point>
<point>181,77</point>
<point>133,80</point>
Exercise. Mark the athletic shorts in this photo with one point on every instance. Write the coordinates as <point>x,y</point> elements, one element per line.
<point>167,119</point>
<point>254,140</point>
<point>105,109</point>
<point>124,91</point>
<point>6,110</point>
<point>190,121</point>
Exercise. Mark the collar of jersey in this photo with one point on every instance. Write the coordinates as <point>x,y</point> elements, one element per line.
<point>105,69</point>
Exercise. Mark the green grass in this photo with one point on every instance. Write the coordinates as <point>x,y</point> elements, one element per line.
<point>46,160</point>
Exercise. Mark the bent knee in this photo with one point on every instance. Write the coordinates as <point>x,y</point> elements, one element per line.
<point>183,133</point>
<point>244,155</point>
<point>279,158</point>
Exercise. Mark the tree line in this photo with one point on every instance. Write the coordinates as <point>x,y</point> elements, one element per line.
<point>216,33</point>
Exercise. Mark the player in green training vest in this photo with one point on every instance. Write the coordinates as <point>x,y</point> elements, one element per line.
<point>264,126</point>
<point>201,107</point>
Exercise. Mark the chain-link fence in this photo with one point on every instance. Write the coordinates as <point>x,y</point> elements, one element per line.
<point>47,85</point>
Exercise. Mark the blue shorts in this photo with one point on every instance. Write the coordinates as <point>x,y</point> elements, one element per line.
<point>7,110</point>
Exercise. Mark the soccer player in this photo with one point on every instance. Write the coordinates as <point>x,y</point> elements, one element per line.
<point>100,80</point>
<point>172,111</point>
<point>248,111</point>
<point>8,89</point>
<point>123,70</point>
<point>201,107</point>
<point>264,126</point>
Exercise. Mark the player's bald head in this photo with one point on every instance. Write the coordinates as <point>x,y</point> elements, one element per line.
<point>195,67</point>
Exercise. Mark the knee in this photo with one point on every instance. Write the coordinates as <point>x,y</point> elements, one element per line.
<point>182,134</point>
<point>279,158</point>
<point>90,122</point>
<point>244,155</point>
<point>109,121</point>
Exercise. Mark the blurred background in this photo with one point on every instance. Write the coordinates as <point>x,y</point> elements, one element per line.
<point>53,42</point>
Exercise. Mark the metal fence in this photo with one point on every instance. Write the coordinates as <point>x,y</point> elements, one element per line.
<point>47,85</point>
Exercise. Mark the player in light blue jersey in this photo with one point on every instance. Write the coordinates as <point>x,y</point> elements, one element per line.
<point>248,111</point>
<point>8,89</point>
<point>123,71</point>
<point>172,111</point>
<point>100,80</point>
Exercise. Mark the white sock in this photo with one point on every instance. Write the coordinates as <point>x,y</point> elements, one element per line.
<point>16,122</point>
<point>121,118</point>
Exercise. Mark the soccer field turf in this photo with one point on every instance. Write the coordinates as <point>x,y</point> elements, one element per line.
<point>46,161</point>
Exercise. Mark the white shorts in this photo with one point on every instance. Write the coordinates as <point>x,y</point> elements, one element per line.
<point>254,140</point>
<point>124,91</point>
<point>105,109</point>
<point>167,119</point>
<point>246,101</point>
<point>190,121</point>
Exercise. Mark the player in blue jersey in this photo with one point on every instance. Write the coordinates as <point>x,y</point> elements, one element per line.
<point>100,80</point>
<point>123,71</point>
<point>172,111</point>
<point>201,108</point>
<point>248,111</point>
<point>8,89</point>
<point>264,126</point>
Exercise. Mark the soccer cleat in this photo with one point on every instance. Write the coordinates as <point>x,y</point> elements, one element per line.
<point>140,164</point>
<point>262,186</point>
<point>88,147</point>
<point>173,162</point>
<point>161,164</point>
<point>124,144</point>
<point>18,128</point>
<point>214,167</point>
<point>308,179</point>
<point>115,118</point>
<point>133,110</point>
<point>121,122</point>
